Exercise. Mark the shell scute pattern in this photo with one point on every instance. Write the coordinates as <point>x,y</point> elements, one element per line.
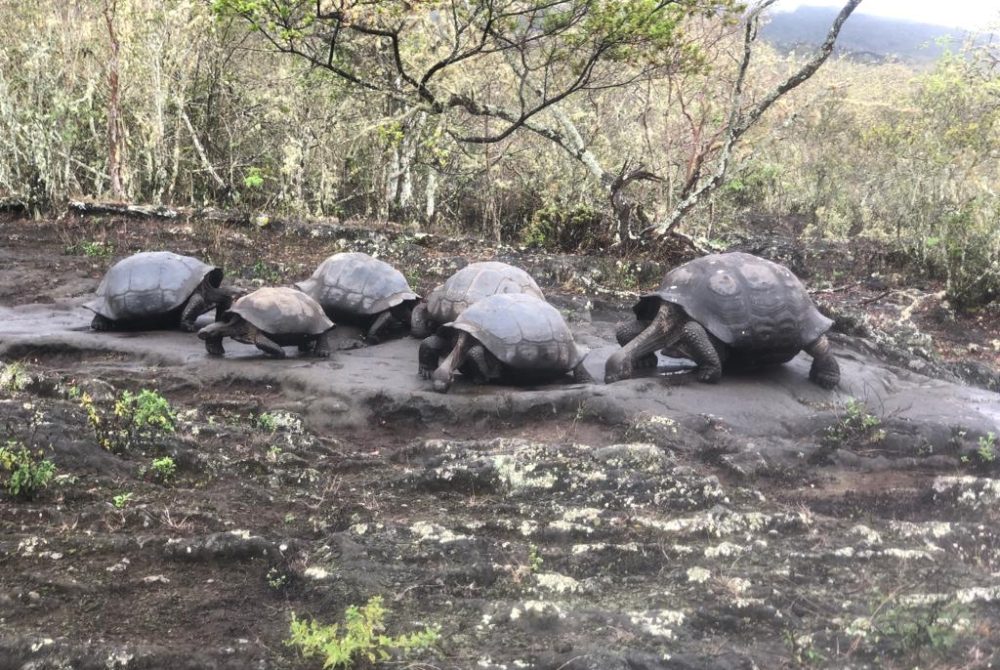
<point>474,282</point>
<point>282,311</point>
<point>355,282</point>
<point>747,302</point>
<point>149,284</point>
<point>522,331</point>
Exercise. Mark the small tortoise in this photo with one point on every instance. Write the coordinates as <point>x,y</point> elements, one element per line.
<point>464,288</point>
<point>733,309</point>
<point>157,289</point>
<point>356,288</point>
<point>505,337</point>
<point>272,318</point>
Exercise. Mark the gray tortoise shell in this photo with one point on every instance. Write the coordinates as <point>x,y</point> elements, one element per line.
<point>474,282</point>
<point>522,331</point>
<point>150,284</point>
<point>356,283</point>
<point>282,311</point>
<point>745,301</point>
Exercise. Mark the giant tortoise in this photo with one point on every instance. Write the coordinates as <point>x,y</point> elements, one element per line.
<point>157,289</point>
<point>464,288</point>
<point>505,337</point>
<point>731,309</point>
<point>272,318</point>
<point>355,288</point>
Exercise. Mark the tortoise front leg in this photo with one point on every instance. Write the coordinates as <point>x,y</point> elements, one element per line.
<point>195,307</point>
<point>697,343</point>
<point>628,331</point>
<point>445,373</point>
<point>431,350</point>
<point>371,337</point>
<point>825,370</point>
<point>323,345</point>
<point>663,330</point>
<point>580,374</point>
<point>420,325</point>
<point>212,335</point>
<point>267,345</point>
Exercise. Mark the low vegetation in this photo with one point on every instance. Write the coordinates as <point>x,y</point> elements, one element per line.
<point>360,640</point>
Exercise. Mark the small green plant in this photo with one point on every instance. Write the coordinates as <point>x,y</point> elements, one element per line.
<point>987,448</point>
<point>267,422</point>
<point>122,500</point>
<point>266,272</point>
<point>24,474</point>
<point>535,559</point>
<point>133,420</point>
<point>907,629</point>
<point>361,639</point>
<point>253,179</point>
<point>13,378</point>
<point>856,425</point>
<point>163,469</point>
<point>91,249</point>
<point>277,579</point>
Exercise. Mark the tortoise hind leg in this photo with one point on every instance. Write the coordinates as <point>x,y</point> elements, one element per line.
<point>102,323</point>
<point>825,370</point>
<point>267,345</point>
<point>484,366</point>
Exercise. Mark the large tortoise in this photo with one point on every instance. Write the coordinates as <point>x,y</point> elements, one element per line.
<point>157,289</point>
<point>505,337</point>
<point>272,318</point>
<point>731,309</point>
<point>355,288</point>
<point>464,288</point>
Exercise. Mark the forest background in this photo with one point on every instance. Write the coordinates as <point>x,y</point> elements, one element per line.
<point>193,103</point>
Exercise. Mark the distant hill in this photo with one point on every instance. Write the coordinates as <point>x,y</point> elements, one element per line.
<point>865,37</point>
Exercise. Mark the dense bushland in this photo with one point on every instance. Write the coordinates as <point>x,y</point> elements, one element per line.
<point>200,108</point>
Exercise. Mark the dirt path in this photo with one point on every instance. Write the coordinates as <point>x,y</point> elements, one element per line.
<point>654,523</point>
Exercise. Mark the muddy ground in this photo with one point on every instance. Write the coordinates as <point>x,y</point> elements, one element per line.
<point>654,523</point>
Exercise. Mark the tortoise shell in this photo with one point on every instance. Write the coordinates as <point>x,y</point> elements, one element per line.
<point>282,311</point>
<point>356,283</point>
<point>522,331</point>
<point>150,284</point>
<point>474,282</point>
<point>747,302</point>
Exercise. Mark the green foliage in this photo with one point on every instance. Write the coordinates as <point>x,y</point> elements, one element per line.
<point>908,629</point>
<point>24,474</point>
<point>163,469</point>
<point>13,378</point>
<point>122,500</point>
<point>253,179</point>
<point>535,559</point>
<point>92,249</point>
<point>987,451</point>
<point>856,426</point>
<point>575,228</point>
<point>361,639</point>
<point>267,422</point>
<point>132,421</point>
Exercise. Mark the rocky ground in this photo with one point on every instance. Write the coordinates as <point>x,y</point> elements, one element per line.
<point>655,523</point>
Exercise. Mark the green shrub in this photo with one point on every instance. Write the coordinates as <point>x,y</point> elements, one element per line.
<point>133,420</point>
<point>361,639</point>
<point>22,473</point>
<point>13,378</point>
<point>576,228</point>
<point>163,469</point>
